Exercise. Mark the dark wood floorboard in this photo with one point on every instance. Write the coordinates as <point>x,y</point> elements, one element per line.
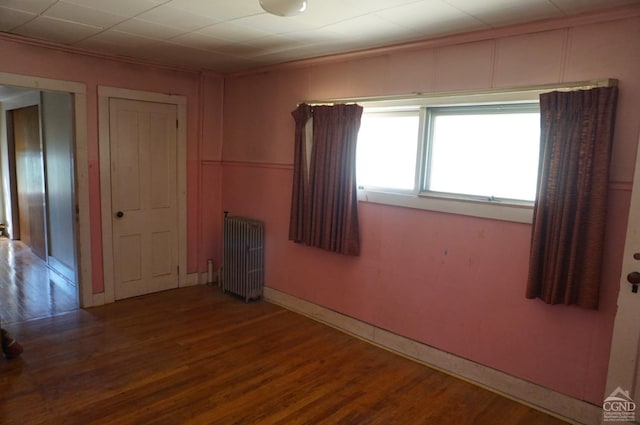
<point>28,288</point>
<point>196,356</point>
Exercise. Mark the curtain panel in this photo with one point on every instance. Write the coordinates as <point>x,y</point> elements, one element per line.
<point>300,200</point>
<point>570,209</point>
<point>324,204</point>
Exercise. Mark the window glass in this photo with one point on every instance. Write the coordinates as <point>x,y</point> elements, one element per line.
<point>489,152</point>
<point>388,149</point>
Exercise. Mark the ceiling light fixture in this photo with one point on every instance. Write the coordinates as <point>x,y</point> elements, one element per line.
<point>284,7</point>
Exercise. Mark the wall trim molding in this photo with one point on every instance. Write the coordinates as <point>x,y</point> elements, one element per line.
<point>541,398</point>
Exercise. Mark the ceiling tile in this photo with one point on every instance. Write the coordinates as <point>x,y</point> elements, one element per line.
<point>147,29</point>
<point>177,18</point>
<point>262,46</point>
<point>317,36</point>
<point>31,6</point>
<point>84,15</point>
<point>57,30</point>
<point>432,18</point>
<point>372,28</point>
<point>11,18</point>
<point>271,24</point>
<point>180,56</point>
<point>505,12</point>
<point>302,53</point>
<point>232,32</point>
<point>369,6</point>
<point>326,12</point>
<point>200,41</point>
<point>122,38</point>
<point>128,8</point>
<point>220,10</point>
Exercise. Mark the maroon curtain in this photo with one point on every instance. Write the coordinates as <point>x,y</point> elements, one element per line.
<point>300,200</point>
<point>569,213</point>
<point>324,209</point>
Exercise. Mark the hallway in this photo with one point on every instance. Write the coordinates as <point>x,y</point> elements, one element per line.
<point>28,288</point>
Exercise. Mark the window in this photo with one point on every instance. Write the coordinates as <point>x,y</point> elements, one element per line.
<point>386,152</point>
<point>485,152</point>
<point>482,153</point>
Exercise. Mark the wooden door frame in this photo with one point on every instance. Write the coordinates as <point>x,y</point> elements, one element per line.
<point>12,175</point>
<point>81,162</point>
<point>104,94</point>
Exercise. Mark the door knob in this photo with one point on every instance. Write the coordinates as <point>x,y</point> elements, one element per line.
<point>119,214</point>
<point>634,278</point>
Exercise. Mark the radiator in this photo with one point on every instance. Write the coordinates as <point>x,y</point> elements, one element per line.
<point>243,257</point>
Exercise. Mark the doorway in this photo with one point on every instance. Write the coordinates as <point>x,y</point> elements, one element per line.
<point>13,82</point>
<point>40,275</point>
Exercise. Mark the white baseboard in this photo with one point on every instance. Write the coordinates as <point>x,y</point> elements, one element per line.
<point>204,278</point>
<point>549,401</point>
<point>98,299</point>
<point>192,279</point>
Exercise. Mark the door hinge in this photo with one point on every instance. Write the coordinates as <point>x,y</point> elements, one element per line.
<point>177,123</point>
<point>178,270</point>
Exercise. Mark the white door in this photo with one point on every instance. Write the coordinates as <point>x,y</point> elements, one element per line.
<point>624,364</point>
<point>143,196</point>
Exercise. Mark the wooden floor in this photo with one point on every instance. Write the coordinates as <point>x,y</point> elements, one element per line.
<point>28,288</point>
<point>196,356</point>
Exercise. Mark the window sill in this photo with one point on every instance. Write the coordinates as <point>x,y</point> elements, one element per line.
<point>496,210</point>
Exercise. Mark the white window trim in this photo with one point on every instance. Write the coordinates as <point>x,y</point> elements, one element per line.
<point>485,209</point>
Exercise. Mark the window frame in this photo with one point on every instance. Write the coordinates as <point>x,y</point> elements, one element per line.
<point>496,208</point>
<point>427,140</point>
<point>406,111</point>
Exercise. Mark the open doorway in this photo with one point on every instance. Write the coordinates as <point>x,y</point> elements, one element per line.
<point>40,274</point>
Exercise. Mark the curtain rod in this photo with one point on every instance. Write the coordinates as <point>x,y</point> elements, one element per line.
<point>588,84</point>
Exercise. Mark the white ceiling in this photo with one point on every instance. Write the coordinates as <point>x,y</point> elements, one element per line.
<point>232,35</point>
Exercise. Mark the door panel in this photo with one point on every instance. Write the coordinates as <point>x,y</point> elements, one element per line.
<point>58,140</point>
<point>30,178</point>
<point>624,361</point>
<point>143,184</point>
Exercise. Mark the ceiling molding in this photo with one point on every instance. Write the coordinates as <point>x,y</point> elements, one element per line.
<point>20,39</point>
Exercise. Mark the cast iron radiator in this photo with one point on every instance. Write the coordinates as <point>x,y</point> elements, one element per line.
<point>243,257</point>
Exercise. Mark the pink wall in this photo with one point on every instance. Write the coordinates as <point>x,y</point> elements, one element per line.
<point>204,99</point>
<point>453,282</point>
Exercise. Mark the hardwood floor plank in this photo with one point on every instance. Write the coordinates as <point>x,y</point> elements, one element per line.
<point>196,356</point>
<point>28,288</point>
